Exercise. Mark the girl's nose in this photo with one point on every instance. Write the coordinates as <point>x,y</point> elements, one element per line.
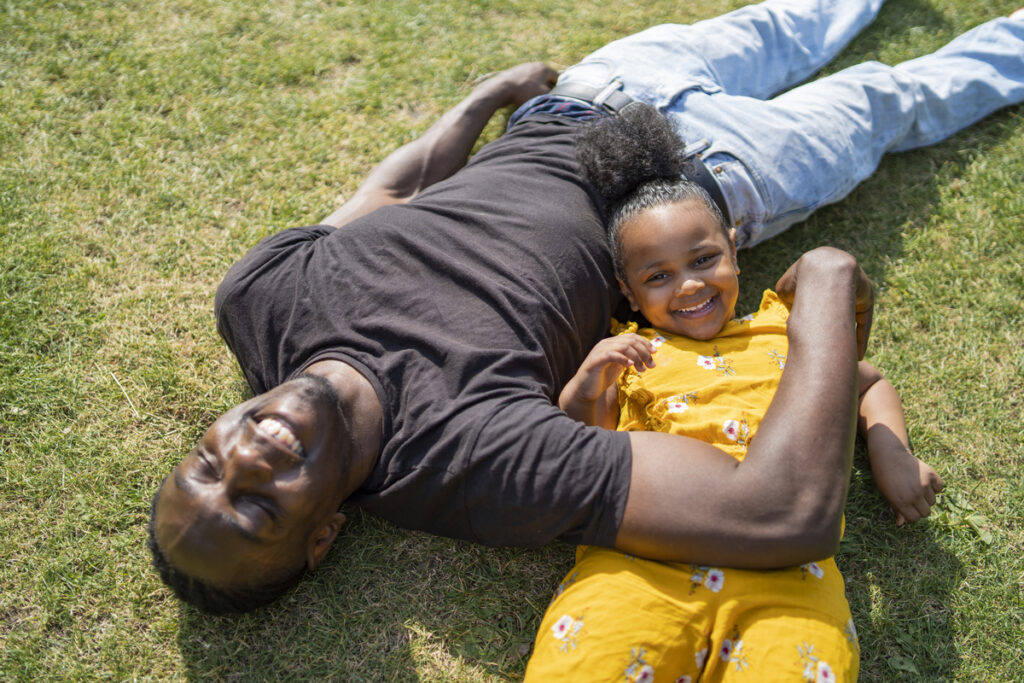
<point>689,285</point>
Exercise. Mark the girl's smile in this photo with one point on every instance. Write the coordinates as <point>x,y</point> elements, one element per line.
<point>680,268</point>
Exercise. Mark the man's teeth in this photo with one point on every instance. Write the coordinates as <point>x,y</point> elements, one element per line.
<point>282,432</point>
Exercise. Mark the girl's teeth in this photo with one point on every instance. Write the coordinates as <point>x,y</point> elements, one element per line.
<point>695,308</point>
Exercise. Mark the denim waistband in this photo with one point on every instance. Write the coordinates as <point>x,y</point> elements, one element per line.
<point>559,106</point>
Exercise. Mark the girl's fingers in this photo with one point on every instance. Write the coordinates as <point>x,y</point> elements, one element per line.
<point>910,513</point>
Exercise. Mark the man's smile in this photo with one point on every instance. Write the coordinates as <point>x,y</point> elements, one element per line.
<point>280,431</point>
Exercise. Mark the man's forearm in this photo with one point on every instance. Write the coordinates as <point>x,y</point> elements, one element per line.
<point>806,436</point>
<point>445,147</point>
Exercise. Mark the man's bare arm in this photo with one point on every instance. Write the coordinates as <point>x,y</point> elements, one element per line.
<point>444,147</point>
<point>783,504</point>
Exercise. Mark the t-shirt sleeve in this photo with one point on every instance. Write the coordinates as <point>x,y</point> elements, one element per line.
<point>536,475</point>
<point>244,301</point>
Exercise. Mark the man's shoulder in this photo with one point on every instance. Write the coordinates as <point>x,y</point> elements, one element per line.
<point>260,261</point>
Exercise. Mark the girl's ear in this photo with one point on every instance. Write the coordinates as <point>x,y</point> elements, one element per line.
<point>732,249</point>
<point>628,294</point>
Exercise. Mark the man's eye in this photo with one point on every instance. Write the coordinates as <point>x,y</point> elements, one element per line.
<point>207,466</point>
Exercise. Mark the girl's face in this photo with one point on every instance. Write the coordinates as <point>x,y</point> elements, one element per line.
<point>680,269</point>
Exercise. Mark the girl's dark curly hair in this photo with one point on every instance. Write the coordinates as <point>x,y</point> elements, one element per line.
<point>636,162</point>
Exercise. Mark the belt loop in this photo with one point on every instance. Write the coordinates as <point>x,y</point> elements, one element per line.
<point>612,87</point>
<point>695,148</point>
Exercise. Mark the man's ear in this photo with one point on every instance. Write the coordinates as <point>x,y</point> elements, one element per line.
<point>628,294</point>
<point>320,540</point>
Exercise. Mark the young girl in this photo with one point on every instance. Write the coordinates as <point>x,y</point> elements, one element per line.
<point>700,373</point>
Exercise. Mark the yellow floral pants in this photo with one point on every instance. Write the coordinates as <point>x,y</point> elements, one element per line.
<point>621,618</point>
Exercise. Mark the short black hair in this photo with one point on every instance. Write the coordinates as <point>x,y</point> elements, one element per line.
<point>214,600</point>
<point>636,161</point>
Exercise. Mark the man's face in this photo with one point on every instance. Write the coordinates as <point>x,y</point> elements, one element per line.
<point>257,494</point>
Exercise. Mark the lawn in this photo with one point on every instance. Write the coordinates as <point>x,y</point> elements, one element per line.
<point>146,145</point>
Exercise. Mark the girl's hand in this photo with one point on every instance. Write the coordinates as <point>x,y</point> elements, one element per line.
<point>608,359</point>
<point>908,483</point>
<point>591,395</point>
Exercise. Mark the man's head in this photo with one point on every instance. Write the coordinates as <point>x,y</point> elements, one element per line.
<point>255,503</point>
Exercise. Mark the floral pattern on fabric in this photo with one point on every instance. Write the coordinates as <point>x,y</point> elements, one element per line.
<point>731,651</point>
<point>716,361</point>
<point>851,634</point>
<point>698,387</point>
<point>638,670</point>
<point>679,403</point>
<point>778,358</point>
<point>566,630</point>
<point>812,568</point>
<point>815,669</point>
<point>566,582</point>
<point>715,391</point>
<point>709,577</point>
<point>738,431</point>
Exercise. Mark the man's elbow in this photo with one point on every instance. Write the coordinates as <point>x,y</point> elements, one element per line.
<point>809,537</point>
<point>793,534</point>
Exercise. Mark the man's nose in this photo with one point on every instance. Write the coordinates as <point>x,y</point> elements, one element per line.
<point>246,467</point>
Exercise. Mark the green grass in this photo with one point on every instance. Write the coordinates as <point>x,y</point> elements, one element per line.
<point>144,146</point>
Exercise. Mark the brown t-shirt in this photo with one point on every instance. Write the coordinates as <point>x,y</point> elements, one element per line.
<point>468,309</point>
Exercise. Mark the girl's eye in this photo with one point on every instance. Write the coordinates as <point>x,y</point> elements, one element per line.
<point>704,260</point>
<point>656,277</point>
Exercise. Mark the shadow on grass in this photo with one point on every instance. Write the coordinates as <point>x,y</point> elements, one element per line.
<point>388,604</point>
<point>899,582</point>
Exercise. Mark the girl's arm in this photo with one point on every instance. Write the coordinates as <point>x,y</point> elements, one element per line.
<point>591,396</point>
<point>906,482</point>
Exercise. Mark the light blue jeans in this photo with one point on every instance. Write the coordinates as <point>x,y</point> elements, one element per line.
<point>778,157</point>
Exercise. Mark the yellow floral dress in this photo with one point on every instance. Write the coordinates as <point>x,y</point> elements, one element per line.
<point>619,617</point>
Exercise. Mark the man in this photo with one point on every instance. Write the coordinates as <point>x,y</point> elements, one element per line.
<point>406,353</point>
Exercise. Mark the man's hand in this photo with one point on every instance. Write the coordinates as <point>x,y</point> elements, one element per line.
<point>864,295</point>
<point>520,83</point>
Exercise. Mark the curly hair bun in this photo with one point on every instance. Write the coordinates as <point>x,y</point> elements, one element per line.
<point>619,153</point>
